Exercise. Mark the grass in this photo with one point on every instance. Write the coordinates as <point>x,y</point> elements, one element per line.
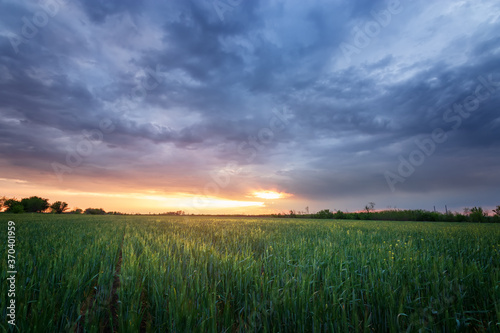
<point>246,274</point>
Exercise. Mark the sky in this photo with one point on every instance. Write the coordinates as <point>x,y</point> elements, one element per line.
<point>236,106</point>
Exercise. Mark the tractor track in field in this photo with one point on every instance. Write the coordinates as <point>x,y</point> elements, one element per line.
<point>86,310</point>
<point>109,323</point>
<point>111,319</point>
<point>146,317</point>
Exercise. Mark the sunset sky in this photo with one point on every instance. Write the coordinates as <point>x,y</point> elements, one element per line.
<point>242,106</point>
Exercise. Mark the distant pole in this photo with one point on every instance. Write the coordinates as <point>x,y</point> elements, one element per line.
<point>434,209</point>
<point>446,208</point>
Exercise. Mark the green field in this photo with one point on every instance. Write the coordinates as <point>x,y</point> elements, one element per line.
<point>203,274</point>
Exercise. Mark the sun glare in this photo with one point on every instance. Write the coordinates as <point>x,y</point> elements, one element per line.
<point>271,195</point>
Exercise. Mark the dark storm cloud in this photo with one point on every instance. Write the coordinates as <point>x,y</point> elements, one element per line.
<point>98,10</point>
<point>177,77</point>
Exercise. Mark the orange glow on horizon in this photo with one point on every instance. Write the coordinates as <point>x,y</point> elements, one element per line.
<point>145,200</point>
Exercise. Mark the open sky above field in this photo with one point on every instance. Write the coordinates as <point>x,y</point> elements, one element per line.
<point>250,106</point>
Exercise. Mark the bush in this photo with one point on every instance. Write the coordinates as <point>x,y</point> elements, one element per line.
<point>339,215</point>
<point>95,211</point>
<point>324,214</point>
<point>460,217</point>
<point>16,209</point>
<point>423,215</point>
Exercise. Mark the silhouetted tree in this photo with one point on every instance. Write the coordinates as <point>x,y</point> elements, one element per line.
<point>497,211</point>
<point>369,207</point>
<point>477,214</point>
<point>59,207</point>
<point>13,206</point>
<point>35,204</point>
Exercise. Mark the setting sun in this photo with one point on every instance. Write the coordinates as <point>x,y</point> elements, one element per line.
<point>271,195</point>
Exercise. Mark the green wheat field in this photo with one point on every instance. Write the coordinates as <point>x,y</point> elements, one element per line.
<point>223,274</point>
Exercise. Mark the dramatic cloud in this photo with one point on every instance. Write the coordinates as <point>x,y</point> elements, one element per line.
<point>335,103</point>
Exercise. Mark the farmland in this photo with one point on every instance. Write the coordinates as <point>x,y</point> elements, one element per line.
<point>208,274</point>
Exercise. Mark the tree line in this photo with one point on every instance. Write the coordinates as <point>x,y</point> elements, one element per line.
<point>475,214</point>
<point>36,204</point>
